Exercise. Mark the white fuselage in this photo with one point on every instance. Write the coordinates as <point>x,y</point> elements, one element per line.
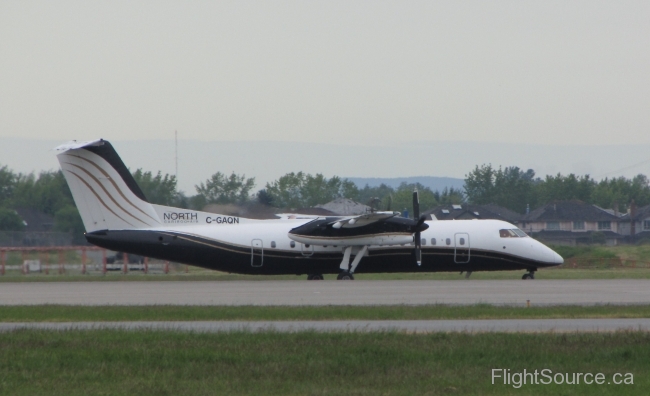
<point>273,235</point>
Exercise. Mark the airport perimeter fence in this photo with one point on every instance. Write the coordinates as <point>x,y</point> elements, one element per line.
<point>78,260</point>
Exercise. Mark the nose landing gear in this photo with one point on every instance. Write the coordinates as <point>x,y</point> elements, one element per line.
<point>529,275</point>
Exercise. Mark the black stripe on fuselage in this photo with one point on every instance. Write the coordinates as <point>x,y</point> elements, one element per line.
<point>221,256</point>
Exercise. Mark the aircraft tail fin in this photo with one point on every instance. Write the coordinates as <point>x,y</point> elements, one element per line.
<point>105,192</point>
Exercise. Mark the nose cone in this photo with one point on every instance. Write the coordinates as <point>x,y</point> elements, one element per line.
<point>554,257</point>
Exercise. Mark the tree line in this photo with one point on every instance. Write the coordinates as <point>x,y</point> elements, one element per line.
<point>510,187</point>
<point>519,190</point>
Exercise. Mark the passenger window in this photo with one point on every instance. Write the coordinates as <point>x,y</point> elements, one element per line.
<point>433,241</point>
<point>462,241</point>
<point>448,241</point>
<point>424,241</point>
<point>292,244</point>
<point>272,244</point>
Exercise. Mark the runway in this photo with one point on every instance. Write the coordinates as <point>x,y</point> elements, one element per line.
<point>299,292</point>
<point>364,326</point>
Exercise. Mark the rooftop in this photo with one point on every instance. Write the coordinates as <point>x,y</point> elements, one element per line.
<point>569,211</point>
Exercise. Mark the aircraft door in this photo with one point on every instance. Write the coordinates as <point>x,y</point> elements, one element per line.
<point>257,253</point>
<point>461,248</point>
<point>307,250</point>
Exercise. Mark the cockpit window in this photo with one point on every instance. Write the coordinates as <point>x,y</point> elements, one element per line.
<point>514,233</point>
<point>520,233</point>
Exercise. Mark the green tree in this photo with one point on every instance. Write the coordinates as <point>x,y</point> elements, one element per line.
<point>68,219</point>
<point>381,193</point>
<point>264,197</point>
<point>7,185</point>
<point>514,188</point>
<point>403,198</point>
<point>563,188</point>
<point>157,189</point>
<point>479,185</point>
<point>449,196</point>
<point>511,187</point>
<point>620,191</point>
<point>349,190</point>
<point>10,220</point>
<point>48,193</point>
<point>222,189</point>
<point>299,190</point>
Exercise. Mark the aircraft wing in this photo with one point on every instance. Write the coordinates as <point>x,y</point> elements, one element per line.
<point>362,220</point>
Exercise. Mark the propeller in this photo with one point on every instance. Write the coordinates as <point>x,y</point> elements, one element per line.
<point>417,239</point>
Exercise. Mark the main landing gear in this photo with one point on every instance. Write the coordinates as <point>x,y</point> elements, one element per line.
<point>529,275</point>
<point>347,268</point>
<point>315,277</point>
<point>345,275</point>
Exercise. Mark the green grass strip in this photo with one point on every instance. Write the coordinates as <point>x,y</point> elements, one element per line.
<point>240,363</point>
<point>66,313</point>
<point>563,272</point>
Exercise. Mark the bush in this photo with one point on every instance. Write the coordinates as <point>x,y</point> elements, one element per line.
<point>568,252</point>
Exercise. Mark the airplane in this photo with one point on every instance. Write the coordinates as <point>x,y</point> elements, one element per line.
<point>117,216</point>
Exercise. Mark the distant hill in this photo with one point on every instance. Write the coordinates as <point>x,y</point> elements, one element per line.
<point>434,183</point>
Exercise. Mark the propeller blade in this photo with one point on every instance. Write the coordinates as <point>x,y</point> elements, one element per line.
<point>416,204</point>
<point>418,225</point>
<point>418,248</point>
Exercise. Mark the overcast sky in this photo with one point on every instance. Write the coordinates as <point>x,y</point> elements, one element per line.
<point>323,71</point>
<point>346,72</point>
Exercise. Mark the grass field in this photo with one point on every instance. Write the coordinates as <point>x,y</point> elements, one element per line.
<point>206,275</point>
<point>240,363</point>
<point>65,313</point>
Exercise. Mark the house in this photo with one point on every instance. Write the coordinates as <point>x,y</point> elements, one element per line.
<point>571,223</point>
<point>469,212</point>
<point>635,224</point>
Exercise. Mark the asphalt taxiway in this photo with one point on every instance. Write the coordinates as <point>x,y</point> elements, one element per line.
<point>302,292</point>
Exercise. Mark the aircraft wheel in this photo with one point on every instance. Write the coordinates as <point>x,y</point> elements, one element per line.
<point>345,275</point>
<point>528,276</point>
<point>315,277</point>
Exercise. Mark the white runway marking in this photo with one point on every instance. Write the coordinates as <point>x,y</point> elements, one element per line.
<point>409,326</point>
<point>298,293</point>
